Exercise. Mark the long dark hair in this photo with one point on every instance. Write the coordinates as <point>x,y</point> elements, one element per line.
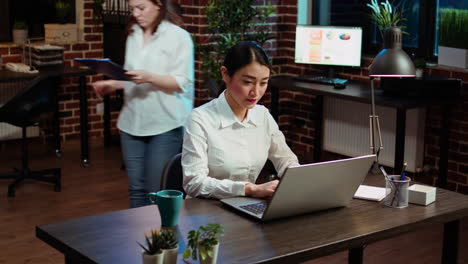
<point>164,13</point>
<point>242,54</point>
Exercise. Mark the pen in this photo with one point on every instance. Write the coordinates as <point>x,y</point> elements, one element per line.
<point>384,172</point>
<point>403,169</point>
<point>403,176</point>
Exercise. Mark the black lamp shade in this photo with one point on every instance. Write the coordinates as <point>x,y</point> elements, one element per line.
<point>392,60</point>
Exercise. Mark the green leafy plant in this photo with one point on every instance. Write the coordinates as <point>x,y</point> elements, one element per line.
<point>168,239</point>
<point>98,8</point>
<point>62,9</point>
<point>201,241</point>
<point>453,28</point>
<point>230,22</point>
<point>153,242</point>
<point>420,63</point>
<point>385,15</point>
<point>20,24</point>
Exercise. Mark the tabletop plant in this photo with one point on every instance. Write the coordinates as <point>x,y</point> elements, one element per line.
<point>201,242</point>
<point>420,63</point>
<point>152,252</point>
<point>20,24</point>
<point>385,15</point>
<point>62,8</point>
<point>169,245</point>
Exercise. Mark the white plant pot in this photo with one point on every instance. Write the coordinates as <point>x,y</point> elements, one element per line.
<point>152,259</point>
<point>419,73</point>
<point>20,36</point>
<point>210,260</point>
<point>170,255</point>
<point>453,57</point>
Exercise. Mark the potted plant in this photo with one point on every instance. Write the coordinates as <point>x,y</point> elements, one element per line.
<point>420,65</point>
<point>20,32</point>
<point>229,22</point>
<point>169,245</point>
<point>453,37</point>
<point>62,9</point>
<point>152,252</point>
<point>385,15</point>
<point>204,243</point>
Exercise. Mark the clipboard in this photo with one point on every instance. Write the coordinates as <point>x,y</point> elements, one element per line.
<point>106,67</point>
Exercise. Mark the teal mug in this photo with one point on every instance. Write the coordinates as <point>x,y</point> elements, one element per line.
<point>169,203</point>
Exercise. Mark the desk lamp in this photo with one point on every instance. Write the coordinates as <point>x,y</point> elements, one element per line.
<point>391,61</point>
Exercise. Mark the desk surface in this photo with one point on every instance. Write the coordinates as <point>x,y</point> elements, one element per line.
<point>111,238</point>
<point>44,72</point>
<point>360,92</point>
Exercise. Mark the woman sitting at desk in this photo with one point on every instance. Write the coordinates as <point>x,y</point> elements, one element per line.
<point>228,140</point>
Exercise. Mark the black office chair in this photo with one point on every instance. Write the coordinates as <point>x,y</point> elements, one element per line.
<point>25,109</point>
<point>172,176</point>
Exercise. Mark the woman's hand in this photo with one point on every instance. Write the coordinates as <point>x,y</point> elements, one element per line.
<point>266,189</point>
<point>139,76</point>
<point>105,87</point>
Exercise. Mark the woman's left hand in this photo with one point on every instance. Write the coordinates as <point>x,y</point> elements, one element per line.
<point>139,76</point>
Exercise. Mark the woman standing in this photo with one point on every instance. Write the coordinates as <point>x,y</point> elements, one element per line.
<point>159,58</point>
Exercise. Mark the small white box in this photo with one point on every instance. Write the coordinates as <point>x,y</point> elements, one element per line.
<point>61,33</point>
<point>421,194</point>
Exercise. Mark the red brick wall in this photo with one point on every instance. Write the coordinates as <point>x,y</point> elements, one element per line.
<point>297,109</point>
<point>297,113</point>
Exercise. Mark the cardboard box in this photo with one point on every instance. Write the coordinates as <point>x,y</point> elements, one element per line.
<point>421,194</point>
<point>61,33</point>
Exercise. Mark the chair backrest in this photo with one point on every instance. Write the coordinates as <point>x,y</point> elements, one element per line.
<point>172,176</point>
<point>28,106</point>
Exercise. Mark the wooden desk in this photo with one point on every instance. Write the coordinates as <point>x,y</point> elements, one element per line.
<point>111,237</point>
<point>54,73</point>
<point>360,92</point>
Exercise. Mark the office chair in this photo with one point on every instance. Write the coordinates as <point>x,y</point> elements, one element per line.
<point>27,108</point>
<point>172,176</point>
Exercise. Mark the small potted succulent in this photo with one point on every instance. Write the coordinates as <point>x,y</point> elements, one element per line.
<point>169,245</point>
<point>420,65</point>
<point>62,8</point>
<point>152,252</point>
<point>204,243</point>
<point>20,32</point>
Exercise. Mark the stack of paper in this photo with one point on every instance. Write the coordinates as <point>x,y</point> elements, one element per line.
<point>370,193</point>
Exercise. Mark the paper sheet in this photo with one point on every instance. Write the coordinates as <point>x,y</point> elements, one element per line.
<point>370,193</point>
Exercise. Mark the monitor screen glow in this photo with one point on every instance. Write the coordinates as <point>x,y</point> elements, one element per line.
<point>327,45</point>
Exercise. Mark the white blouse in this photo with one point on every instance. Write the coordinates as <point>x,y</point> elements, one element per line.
<point>220,154</point>
<point>148,111</point>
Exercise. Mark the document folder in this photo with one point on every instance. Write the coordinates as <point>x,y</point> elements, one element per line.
<point>106,67</point>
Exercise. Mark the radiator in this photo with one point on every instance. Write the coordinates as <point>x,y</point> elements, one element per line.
<point>7,91</point>
<point>346,131</point>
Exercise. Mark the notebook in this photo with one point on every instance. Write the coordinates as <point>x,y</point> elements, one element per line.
<point>106,67</point>
<point>308,188</point>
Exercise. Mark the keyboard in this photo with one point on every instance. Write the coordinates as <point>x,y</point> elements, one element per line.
<point>320,79</point>
<point>256,208</point>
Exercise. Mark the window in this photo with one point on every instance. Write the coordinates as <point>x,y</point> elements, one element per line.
<point>34,12</point>
<point>421,20</point>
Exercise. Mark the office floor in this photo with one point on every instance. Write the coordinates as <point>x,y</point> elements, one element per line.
<point>102,188</point>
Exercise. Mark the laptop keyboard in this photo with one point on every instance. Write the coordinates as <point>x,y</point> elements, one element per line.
<point>256,208</point>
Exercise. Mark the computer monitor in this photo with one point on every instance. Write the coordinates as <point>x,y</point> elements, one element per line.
<point>328,45</point>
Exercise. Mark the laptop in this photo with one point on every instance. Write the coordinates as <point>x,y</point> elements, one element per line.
<point>308,188</point>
